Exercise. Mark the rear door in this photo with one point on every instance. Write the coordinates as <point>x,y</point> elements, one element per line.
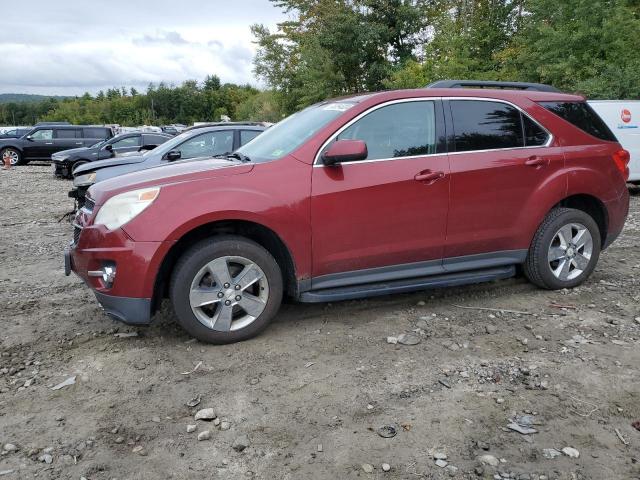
<point>66,138</point>
<point>39,145</point>
<point>389,209</point>
<point>499,157</point>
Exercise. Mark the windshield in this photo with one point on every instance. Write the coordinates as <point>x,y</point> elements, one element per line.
<point>287,135</point>
<point>99,144</point>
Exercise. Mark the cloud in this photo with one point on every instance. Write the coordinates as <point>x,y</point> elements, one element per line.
<point>59,54</point>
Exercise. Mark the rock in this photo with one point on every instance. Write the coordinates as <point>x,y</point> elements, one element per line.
<point>240,443</point>
<point>637,319</point>
<point>439,456</point>
<point>451,470</point>
<point>524,430</point>
<point>139,449</point>
<point>441,463</point>
<point>119,440</point>
<point>392,340</point>
<point>571,452</point>
<point>499,400</point>
<point>191,428</point>
<point>205,435</point>
<point>66,383</point>
<point>46,458</point>
<point>489,460</point>
<point>422,303</point>
<point>491,329</point>
<point>155,419</point>
<point>409,339</point>
<point>225,425</point>
<point>216,422</point>
<point>550,453</point>
<point>367,467</point>
<point>10,447</point>
<point>205,414</point>
<point>194,402</point>
<point>319,447</point>
<point>386,467</point>
<point>387,431</point>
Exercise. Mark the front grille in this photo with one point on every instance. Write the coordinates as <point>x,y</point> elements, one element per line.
<point>76,234</point>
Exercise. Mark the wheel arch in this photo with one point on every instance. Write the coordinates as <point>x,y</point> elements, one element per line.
<point>593,207</point>
<point>262,235</point>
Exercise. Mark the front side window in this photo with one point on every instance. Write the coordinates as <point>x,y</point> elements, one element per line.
<point>127,142</point>
<point>480,125</point>
<point>42,135</point>
<point>581,115</point>
<point>403,129</point>
<point>207,145</point>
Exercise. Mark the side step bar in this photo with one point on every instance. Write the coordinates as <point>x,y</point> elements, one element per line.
<point>408,285</point>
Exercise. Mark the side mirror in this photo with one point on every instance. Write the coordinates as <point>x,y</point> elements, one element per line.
<point>29,137</point>
<point>108,148</point>
<point>345,151</point>
<point>173,155</point>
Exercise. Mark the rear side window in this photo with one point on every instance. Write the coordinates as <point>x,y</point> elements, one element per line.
<point>68,133</point>
<point>398,130</point>
<point>534,134</point>
<point>581,115</point>
<point>96,133</point>
<point>247,135</point>
<point>480,125</point>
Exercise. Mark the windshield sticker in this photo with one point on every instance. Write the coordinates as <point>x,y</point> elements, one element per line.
<point>338,107</point>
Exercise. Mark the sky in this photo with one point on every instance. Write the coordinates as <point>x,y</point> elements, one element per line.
<point>70,47</point>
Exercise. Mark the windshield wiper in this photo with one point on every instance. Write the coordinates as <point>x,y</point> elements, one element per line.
<point>239,156</point>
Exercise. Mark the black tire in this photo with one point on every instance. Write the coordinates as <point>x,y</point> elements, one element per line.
<point>196,258</point>
<point>12,151</point>
<point>537,268</point>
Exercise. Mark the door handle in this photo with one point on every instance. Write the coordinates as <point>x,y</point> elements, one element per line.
<point>48,143</point>
<point>429,177</point>
<point>78,143</point>
<point>537,162</point>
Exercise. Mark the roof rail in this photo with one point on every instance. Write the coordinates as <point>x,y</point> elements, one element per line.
<point>540,87</point>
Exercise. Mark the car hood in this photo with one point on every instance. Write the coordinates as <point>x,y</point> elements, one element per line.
<point>72,151</point>
<point>111,162</point>
<point>179,172</point>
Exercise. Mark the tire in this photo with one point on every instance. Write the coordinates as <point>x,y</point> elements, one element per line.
<point>543,269</point>
<point>14,153</point>
<point>212,322</point>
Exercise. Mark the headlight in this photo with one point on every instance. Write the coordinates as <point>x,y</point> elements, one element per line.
<point>124,207</point>
<point>84,180</point>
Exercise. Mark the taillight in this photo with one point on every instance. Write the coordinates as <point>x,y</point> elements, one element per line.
<point>621,159</point>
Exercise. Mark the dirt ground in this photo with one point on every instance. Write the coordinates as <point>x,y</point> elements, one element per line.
<point>308,397</point>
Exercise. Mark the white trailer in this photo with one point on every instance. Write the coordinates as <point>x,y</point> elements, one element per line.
<point>623,118</point>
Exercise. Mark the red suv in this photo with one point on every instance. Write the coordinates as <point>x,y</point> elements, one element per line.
<point>368,195</point>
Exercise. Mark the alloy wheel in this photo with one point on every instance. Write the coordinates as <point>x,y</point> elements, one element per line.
<point>570,251</point>
<point>12,155</point>
<point>228,293</point>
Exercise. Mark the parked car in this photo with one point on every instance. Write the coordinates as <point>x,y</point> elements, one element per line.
<point>623,118</point>
<point>43,141</point>
<point>65,161</point>
<point>370,195</point>
<point>196,142</point>
<point>15,132</point>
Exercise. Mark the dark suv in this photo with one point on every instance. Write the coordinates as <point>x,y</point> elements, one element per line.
<point>65,161</point>
<point>46,139</point>
<point>376,194</point>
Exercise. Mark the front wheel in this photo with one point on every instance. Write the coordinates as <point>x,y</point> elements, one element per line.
<point>226,289</point>
<point>13,155</point>
<point>564,250</point>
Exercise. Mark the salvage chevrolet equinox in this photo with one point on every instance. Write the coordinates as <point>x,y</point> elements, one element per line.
<point>369,195</point>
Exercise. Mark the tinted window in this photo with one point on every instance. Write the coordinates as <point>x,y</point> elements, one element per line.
<point>127,142</point>
<point>96,133</point>
<point>42,135</point>
<point>247,135</point>
<point>68,133</point>
<point>581,115</point>
<point>154,139</point>
<point>399,130</point>
<point>207,145</point>
<point>534,134</point>
<point>480,125</point>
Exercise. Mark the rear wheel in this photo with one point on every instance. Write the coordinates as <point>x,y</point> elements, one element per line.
<point>14,156</point>
<point>564,250</point>
<point>226,289</point>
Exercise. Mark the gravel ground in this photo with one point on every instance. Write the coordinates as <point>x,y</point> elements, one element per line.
<point>308,398</point>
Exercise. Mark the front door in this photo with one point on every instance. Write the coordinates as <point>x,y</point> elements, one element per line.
<point>390,209</point>
<point>39,144</point>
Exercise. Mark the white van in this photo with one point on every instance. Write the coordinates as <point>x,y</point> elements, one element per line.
<point>623,118</point>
